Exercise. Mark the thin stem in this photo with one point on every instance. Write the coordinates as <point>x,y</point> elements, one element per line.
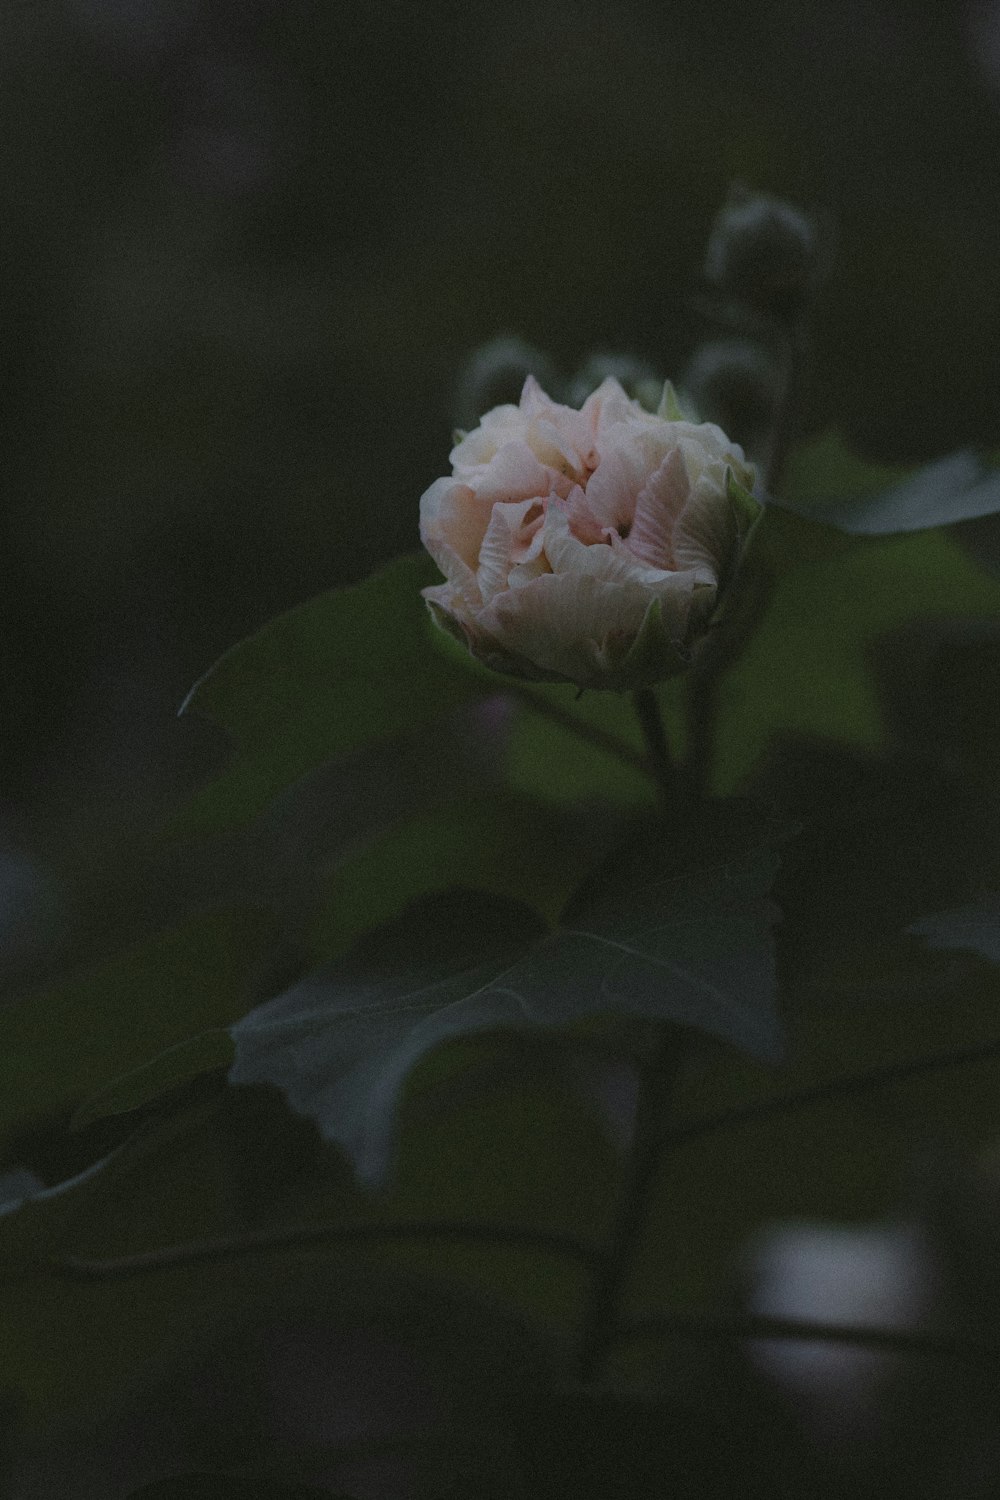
<point>723,648</point>
<point>287,1237</point>
<point>796,355</point>
<point>743,1326</point>
<point>844,1087</point>
<point>660,761</point>
<point>600,1328</point>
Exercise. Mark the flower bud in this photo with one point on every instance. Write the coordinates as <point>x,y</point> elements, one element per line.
<point>737,384</point>
<point>588,545</point>
<point>764,252</point>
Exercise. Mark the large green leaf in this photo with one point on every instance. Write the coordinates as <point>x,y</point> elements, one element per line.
<point>805,669</point>
<point>683,940</point>
<point>824,468</point>
<point>352,666</point>
<point>228,1212</point>
<point>514,847</point>
<point>833,485</point>
<point>207,1052</point>
<point>62,1045</point>
<point>548,756</point>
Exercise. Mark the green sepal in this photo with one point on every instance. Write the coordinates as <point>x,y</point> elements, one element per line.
<point>670,407</point>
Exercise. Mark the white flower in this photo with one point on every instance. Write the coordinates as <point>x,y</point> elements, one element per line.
<point>583,546</point>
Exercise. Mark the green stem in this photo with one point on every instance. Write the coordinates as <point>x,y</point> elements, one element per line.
<point>887,1076</point>
<point>600,1329</point>
<point>726,644</point>
<point>742,1326</point>
<point>659,760</point>
<point>290,1237</point>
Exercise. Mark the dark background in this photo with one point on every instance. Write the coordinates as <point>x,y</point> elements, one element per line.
<point>247,245</point>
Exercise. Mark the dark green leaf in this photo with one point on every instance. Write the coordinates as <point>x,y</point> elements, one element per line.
<point>957,488</point>
<point>825,469</point>
<point>686,943</point>
<point>804,668</point>
<point>205,1053</point>
<point>103,1305</point>
<point>62,1045</point>
<point>550,759</point>
<point>349,667</point>
<point>514,847</point>
<point>832,485</point>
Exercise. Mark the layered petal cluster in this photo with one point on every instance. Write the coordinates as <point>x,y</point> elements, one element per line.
<point>583,546</point>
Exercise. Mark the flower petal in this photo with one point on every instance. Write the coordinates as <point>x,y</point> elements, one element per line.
<point>507,541</point>
<point>452,525</point>
<point>659,504</point>
<point>504,424</point>
<point>706,530</point>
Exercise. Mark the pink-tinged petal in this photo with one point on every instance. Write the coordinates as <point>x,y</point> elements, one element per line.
<point>513,474</point>
<point>707,451</point>
<point>533,567</point>
<point>561,622</point>
<point>582,522</point>
<point>534,401</point>
<point>452,526</point>
<point>451,612</point>
<point>555,449</point>
<point>627,460</point>
<point>706,530</point>
<point>608,406</point>
<point>612,490</point>
<point>610,562</point>
<point>504,424</point>
<point>562,437</point>
<point>507,542</point>
<point>660,503</point>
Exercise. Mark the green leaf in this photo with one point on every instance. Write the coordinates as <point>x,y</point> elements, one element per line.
<point>62,1045</point>
<point>836,487</point>
<point>547,759</point>
<point>350,667</point>
<point>804,668</point>
<point>825,469</point>
<point>147,1265</point>
<point>682,940</point>
<point>513,847</point>
<point>670,407</point>
<point>169,1070</point>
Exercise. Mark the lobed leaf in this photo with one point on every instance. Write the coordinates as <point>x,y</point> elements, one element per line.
<point>350,667</point>
<point>688,944</point>
<point>77,1039</point>
<point>833,485</point>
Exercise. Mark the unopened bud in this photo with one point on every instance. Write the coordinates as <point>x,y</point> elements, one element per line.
<point>736,384</point>
<point>764,252</point>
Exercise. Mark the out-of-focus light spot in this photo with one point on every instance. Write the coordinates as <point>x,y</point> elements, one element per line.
<point>877,1275</point>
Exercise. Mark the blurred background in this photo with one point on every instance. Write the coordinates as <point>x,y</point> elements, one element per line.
<point>247,245</point>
